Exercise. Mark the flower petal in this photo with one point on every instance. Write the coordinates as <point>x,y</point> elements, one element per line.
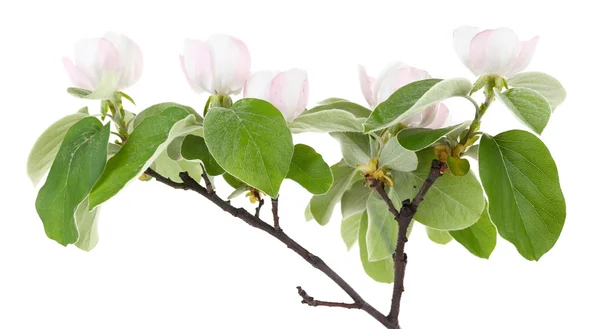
<point>196,64</point>
<point>289,93</point>
<point>395,78</point>
<point>78,77</point>
<point>95,56</point>
<point>441,116</point>
<point>493,51</point>
<point>462,43</point>
<point>366,85</point>
<point>130,59</point>
<point>524,57</point>
<point>259,85</point>
<point>230,64</point>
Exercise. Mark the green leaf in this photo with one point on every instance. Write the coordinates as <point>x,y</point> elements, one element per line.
<point>106,89</point>
<point>458,167</point>
<point>332,100</point>
<point>356,147</point>
<point>521,181</point>
<point>355,199</point>
<point>452,203</point>
<point>232,181</point>
<point>307,214</point>
<point>87,225</point>
<point>333,116</point>
<point>321,206</point>
<point>174,148</point>
<point>380,271</point>
<point>349,229</point>
<point>382,232</point>
<point>310,170</point>
<point>159,108</point>
<point>472,152</point>
<point>438,236</point>
<point>414,98</point>
<point>479,238</point>
<point>171,169</point>
<point>395,157</point>
<point>45,148</point>
<point>194,148</point>
<point>78,164</point>
<point>416,139</point>
<point>529,106</point>
<point>543,83</point>
<point>252,142</point>
<point>143,146</point>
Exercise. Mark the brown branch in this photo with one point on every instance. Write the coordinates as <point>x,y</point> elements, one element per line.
<point>241,213</point>
<point>275,209</point>
<point>308,300</point>
<point>404,217</point>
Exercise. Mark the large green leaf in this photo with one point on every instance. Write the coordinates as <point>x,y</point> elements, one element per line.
<point>394,156</point>
<point>479,238</point>
<point>356,147</point>
<point>349,229</point>
<point>87,226</point>
<point>543,83</point>
<point>194,148</point>
<point>252,142</point>
<point>416,139</point>
<point>159,108</point>
<point>382,232</point>
<point>143,146</point>
<point>78,164</point>
<point>337,115</point>
<point>380,271</point>
<point>521,181</point>
<point>45,148</point>
<point>529,106</point>
<point>452,202</point>
<point>355,199</point>
<point>321,206</point>
<point>310,170</point>
<point>438,236</point>
<point>414,98</point>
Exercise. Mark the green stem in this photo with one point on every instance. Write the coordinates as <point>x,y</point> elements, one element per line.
<point>474,127</point>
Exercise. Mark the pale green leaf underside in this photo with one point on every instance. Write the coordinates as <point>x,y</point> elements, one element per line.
<point>252,142</point>
<point>335,116</point>
<point>543,83</point>
<point>479,238</point>
<point>356,147</point>
<point>106,89</point>
<point>414,98</point>
<point>416,139</point>
<point>87,226</point>
<point>78,164</point>
<point>382,231</point>
<point>395,157</point>
<point>525,199</point>
<point>349,229</point>
<point>438,236</point>
<point>143,146</point>
<point>355,199</point>
<point>452,203</point>
<point>529,106</point>
<point>380,271</point>
<point>45,148</point>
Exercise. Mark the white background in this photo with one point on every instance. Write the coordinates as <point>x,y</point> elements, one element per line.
<point>169,259</point>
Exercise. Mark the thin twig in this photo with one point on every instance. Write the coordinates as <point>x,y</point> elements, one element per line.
<point>308,300</point>
<point>261,203</point>
<point>404,217</point>
<point>209,187</point>
<point>241,213</point>
<point>275,209</point>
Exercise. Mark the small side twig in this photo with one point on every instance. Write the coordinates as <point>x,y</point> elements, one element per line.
<point>308,300</point>
<point>261,203</point>
<point>209,186</point>
<point>275,209</point>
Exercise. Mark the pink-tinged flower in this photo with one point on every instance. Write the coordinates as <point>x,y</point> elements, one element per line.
<point>287,91</point>
<point>391,79</point>
<point>219,66</point>
<point>113,62</point>
<point>493,52</point>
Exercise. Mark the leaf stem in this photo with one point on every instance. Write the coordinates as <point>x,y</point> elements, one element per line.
<point>481,109</point>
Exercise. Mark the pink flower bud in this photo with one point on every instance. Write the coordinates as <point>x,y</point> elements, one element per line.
<point>218,66</point>
<point>493,52</point>
<point>287,91</point>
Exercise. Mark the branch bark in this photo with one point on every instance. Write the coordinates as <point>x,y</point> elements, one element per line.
<point>254,221</point>
<point>404,216</point>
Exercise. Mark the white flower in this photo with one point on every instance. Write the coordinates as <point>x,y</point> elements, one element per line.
<point>287,91</point>
<point>493,52</point>
<point>115,60</point>
<point>219,66</point>
<point>391,79</point>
